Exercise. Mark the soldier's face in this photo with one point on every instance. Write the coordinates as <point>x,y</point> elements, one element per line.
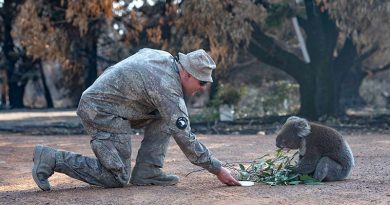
<point>191,85</point>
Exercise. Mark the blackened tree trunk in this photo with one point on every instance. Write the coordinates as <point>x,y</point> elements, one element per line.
<point>15,84</point>
<point>321,41</point>
<point>307,90</point>
<point>349,78</point>
<point>16,88</point>
<point>322,82</point>
<point>90,48</point>
<point>48,97</point>
<point>82,70</point>
<point>266,50</point>
<point>349,89</point>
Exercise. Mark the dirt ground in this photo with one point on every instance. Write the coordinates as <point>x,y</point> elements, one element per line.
<point>369,183</point>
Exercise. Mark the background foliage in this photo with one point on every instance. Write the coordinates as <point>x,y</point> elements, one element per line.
<point>69,43</point>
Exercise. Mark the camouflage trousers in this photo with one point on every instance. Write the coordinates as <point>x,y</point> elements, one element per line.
<point>112,165</point>
<point>110,168</point>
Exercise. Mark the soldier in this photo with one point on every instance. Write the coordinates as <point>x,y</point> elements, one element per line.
<point>146,90</point>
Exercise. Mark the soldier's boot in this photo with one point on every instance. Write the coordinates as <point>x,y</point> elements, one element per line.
<point>148,174</point>
<point>44,163</point>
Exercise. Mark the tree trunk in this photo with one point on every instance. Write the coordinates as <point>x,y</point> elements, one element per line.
<point>307,92</point>
<point>321,41</point>
<point>16,92</point>
<point>46,89</point>
<point>91,59</point>
<point>349,76</point>
<point>267,51</point>
<point>213,89</point>
<point>83,70</point>
<point>349,89</point>
<point>16,87</point>
<point>324,90</point>
<point>327,81</point>
<point>3,88</point>
<point>316,79</point>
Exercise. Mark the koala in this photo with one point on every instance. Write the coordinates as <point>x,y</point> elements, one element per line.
<point>322,150</point>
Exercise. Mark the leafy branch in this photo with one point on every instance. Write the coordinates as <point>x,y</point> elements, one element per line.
<point>279,170</point>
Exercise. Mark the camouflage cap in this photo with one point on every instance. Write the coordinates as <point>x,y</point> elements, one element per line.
<point>199,64</point>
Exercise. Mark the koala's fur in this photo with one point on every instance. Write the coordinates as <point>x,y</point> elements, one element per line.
<point>322,150</point>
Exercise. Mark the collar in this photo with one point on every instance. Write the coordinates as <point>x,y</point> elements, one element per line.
<point>175,67</point>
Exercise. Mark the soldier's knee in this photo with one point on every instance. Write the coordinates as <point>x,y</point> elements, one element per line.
<point>124,180</point>
<point>119,182</point>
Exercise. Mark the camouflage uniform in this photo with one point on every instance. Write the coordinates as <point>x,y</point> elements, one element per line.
<point>143,90</point>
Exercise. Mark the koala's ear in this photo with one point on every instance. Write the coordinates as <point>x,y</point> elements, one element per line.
<point>302,125</point>
<point>293,119</point>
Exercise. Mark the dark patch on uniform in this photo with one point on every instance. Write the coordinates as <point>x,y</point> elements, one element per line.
<point>181,123</point>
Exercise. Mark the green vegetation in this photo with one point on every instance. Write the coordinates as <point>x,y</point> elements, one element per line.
<point>275,102</point>
<point>207,114</point>
<point>228,94</point>
<point>275,98</point>
<point>279,170</point>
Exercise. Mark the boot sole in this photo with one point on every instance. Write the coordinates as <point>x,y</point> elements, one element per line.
<point>37,160</point>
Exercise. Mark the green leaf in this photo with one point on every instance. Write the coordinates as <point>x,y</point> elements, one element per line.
<point>242,167</point>
<point>280,166</point>
<point>244,175</point>
<point>293,177</point>
<point>279,170</point>
<point>308,180</point>
<point>306,177</point>
<point>279,153</point>
<point>294,182</point>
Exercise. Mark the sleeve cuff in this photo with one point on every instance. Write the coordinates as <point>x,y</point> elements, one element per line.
<point>215,166</point>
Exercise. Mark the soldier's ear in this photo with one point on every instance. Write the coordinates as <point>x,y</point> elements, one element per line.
<point>186,74</point>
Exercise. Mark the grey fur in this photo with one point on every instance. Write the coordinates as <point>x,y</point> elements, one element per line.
<point>323,151</point>
<point>302,124</point>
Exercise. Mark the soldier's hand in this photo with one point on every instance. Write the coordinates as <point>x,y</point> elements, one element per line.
<point>225,177</point>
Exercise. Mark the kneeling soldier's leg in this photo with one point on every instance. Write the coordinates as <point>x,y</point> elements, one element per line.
<point>114,155</point>
<point>150,158</point>
<point>110,169</point>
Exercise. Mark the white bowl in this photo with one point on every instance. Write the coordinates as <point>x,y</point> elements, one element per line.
<point>246,183</point>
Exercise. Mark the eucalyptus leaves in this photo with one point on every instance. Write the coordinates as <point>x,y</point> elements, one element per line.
<point>274,171</point>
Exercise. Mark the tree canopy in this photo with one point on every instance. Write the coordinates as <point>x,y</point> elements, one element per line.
<point>344,39</point>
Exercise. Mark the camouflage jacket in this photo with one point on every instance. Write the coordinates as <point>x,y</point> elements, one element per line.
<point>138,89</point>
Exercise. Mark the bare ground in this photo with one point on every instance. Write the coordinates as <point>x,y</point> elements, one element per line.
<point>369,183</point>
